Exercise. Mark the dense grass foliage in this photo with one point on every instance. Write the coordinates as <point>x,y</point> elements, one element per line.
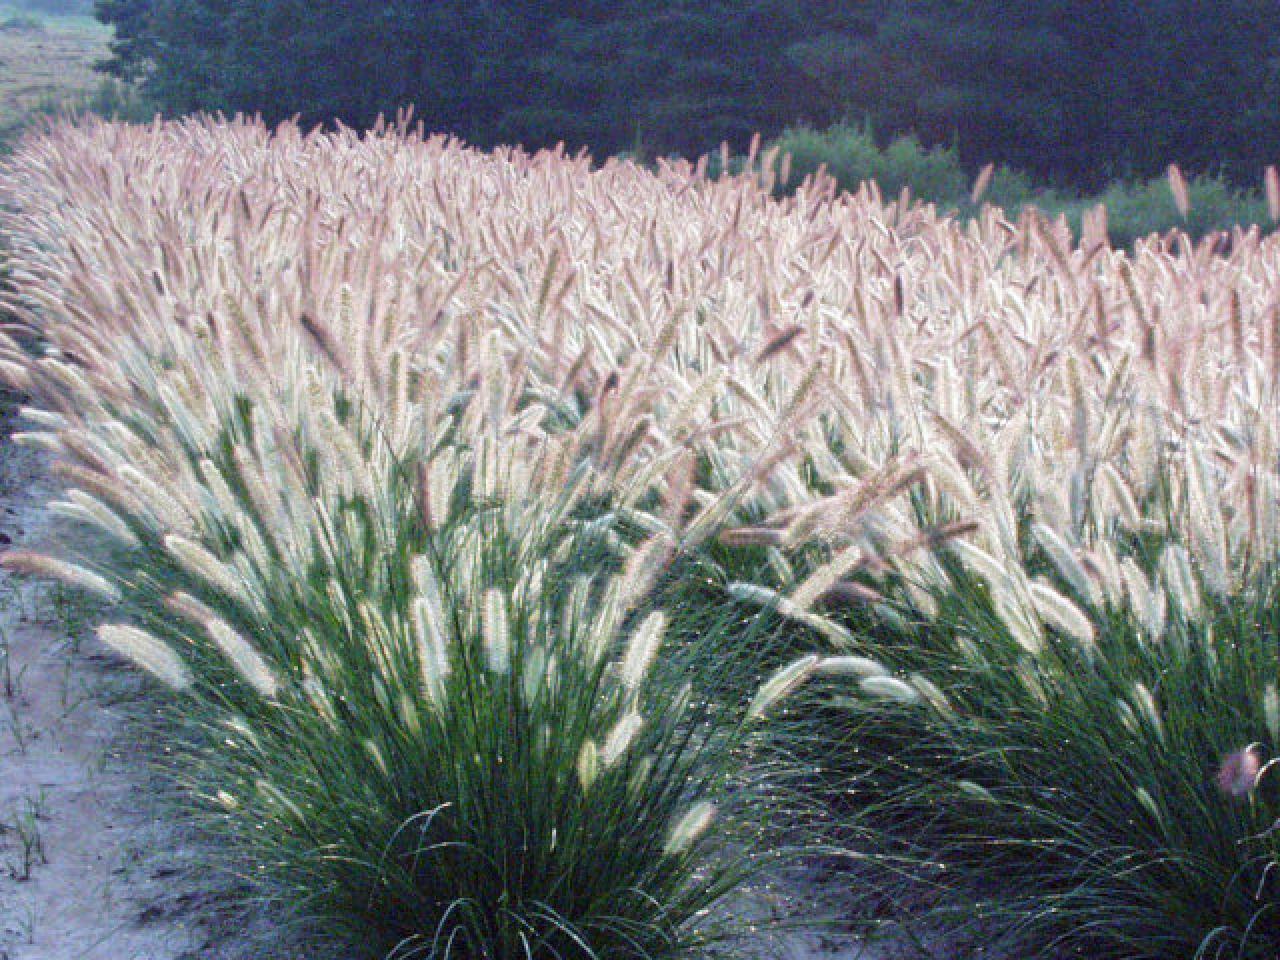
<point>406,599</point>
<point>385,428</point>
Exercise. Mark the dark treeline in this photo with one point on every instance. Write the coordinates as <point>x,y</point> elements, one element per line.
<point>1075,93</point>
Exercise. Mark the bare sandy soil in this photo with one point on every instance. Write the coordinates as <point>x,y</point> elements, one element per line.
<point>93,865</point>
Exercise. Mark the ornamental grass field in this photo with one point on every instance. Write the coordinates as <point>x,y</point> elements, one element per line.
<point>529,550</point>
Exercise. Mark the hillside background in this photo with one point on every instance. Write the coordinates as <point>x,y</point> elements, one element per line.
<point>1072,103</point>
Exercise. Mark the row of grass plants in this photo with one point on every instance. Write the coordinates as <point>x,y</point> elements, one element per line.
<point>532,552</point>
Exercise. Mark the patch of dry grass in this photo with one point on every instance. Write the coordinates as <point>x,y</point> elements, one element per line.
<point>43,68</point>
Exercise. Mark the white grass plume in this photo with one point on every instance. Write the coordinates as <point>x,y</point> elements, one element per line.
<point>244,657</point>
<point>39,565</point>
<point>689,828</point>
<point>148,652</point>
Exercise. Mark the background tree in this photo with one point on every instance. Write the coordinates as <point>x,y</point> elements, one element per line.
<point>132,46</point>
<point>1074,95</point>
<point>1079,93</point>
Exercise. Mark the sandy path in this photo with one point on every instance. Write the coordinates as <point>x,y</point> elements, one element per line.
<point>92,867</point>
<point>76,879</point>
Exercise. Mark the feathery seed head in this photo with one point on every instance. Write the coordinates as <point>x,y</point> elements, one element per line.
<point>889,688</point>
<point>642,648</point>
<point>620,738</point>
<point>496,632</point>
<point>148,652</point>
<point>850,666</point>
<point>689,828</point>
<point>782,683</point>
<point>247,661</point>
<point>39,565</point>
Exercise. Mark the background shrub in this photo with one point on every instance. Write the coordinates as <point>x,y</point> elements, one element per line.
<point>850,155</point>
<point>1135,210</point>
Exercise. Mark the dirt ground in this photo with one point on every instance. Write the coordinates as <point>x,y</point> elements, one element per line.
<point>94,865</point>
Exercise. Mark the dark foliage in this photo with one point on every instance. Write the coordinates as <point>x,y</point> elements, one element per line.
<point>1082,93</point>
<point>669,77</point>
<point>1078,100</point>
